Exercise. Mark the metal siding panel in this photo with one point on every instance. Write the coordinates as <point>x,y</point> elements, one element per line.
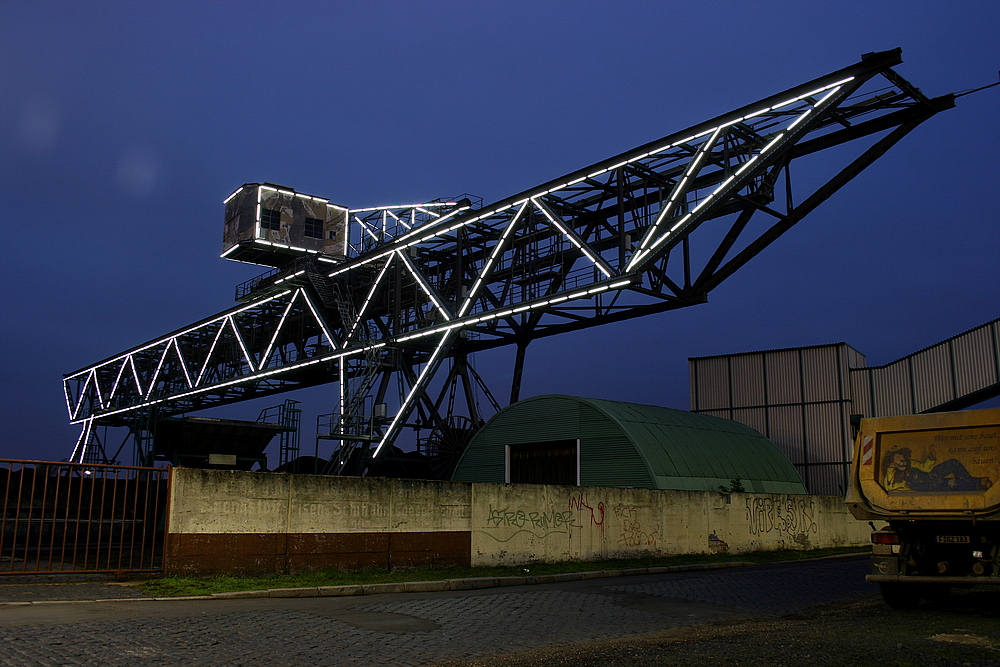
<point>786,431</point>
<point>713,383</point>
<point>825,480</point>
<point>855,359</point>
<point>820,374</point>
<point>755,418</point>
<point>607,456</point>
<point>892,391</point>
<point>481,463</point>
<point>995,347</point>
<point>861,395</point>
<point>974,361</point>
<point>748,380</point>
<point>932,377</point>
<point>823,429</point>
<point>784,381</point>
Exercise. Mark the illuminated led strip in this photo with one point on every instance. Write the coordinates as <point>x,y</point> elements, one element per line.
<point>250,377</point>
<point>135,375</point>
<point>179,334</point>
<point>159,366</point>
<point>679,188</point>
<point>404,409</point>
<point>277,330</point>
<point>243,345</point>
<point>69,400</point>
<point>387,210</point>
<point>81,443</point>
<point>728,184</point>
<point>493,315</point>
<point>83,392</point>
<point>97,388</point>
<point>319,320</point>
<point>576,240</point>
<point>428,290</point>
<point>423,210</point>
<point>342,385</point>
<point>156,373</point>
<point>368,299</point>
<point>404,206</point>
<point>180,356</point>
<point>257,219</point>
<point>498,250</point>
<point>235,192</point>
<point>208,359</point>
<point>365,227</point>
<point>430,234</point>
<point>118,378</point>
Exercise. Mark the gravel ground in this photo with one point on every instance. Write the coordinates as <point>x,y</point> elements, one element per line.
<point>965,632</point>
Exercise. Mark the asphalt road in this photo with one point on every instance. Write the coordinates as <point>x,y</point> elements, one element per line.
<point>733,616</point>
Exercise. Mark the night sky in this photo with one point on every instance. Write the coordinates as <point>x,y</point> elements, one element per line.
<point>123,126</point>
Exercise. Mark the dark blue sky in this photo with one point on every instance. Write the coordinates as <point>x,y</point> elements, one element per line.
<point>123,126</point>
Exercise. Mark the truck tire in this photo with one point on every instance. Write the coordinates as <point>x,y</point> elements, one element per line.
<point>900,596</point>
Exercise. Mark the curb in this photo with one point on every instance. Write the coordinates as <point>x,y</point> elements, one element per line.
<point>468,584</point>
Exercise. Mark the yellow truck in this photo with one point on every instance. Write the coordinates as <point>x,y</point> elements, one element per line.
<point>935,479</point>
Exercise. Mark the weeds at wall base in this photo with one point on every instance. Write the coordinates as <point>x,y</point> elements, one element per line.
<point>176,586</point>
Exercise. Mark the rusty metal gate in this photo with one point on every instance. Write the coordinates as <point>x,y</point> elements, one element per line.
<point>77,518</point>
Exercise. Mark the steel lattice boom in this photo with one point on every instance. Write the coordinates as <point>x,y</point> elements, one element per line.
<point>650,230</point>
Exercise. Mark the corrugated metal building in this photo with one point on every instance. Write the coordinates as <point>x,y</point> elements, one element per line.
<point>559,439</point>
<point>802,398</point>
<point>954,374</point>
<point>799,398</point>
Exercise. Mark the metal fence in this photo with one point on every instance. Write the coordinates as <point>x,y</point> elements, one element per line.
<point>77,518</point>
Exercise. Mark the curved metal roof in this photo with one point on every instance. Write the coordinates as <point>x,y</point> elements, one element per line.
<point>677,449</point>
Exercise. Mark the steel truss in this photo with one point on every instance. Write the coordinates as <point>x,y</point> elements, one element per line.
<point>647,231</point>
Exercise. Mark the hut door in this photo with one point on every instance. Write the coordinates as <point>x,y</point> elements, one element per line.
<point>553,462</point>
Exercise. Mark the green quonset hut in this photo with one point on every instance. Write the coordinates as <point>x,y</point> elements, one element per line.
<point>559,439</point>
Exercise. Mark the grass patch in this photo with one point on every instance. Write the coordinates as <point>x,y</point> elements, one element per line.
<point>175,586</point>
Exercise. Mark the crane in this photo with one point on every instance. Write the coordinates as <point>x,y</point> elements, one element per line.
<point>390,302</point>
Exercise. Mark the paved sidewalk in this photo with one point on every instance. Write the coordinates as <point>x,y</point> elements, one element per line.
<point>417,628</point>
<point>56,588</point>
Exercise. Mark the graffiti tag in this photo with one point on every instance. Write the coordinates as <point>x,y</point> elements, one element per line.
<point>791,516</point>
<point>505,517</point>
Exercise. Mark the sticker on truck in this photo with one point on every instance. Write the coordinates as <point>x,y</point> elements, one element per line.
<point>951,461</point>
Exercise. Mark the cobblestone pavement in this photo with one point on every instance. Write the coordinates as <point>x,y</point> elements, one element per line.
<point>414,628</point>
<point>89,590</point>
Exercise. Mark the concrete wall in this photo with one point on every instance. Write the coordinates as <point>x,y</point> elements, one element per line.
<point>517,523</point>
<point>246,522</point>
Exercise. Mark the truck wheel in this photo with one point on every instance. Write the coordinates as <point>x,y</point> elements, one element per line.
<point>900,596</point>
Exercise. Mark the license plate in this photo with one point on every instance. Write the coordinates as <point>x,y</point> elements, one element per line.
<point>952,539</point>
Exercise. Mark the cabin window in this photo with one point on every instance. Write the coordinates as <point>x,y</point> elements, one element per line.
<point>314,228</point>
<point>270,219</point>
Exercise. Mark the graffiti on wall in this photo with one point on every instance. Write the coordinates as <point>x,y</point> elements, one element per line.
<point>539,523</point>
<point>633,534</point>
<point>791,516</point>
<point>580,504</point>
